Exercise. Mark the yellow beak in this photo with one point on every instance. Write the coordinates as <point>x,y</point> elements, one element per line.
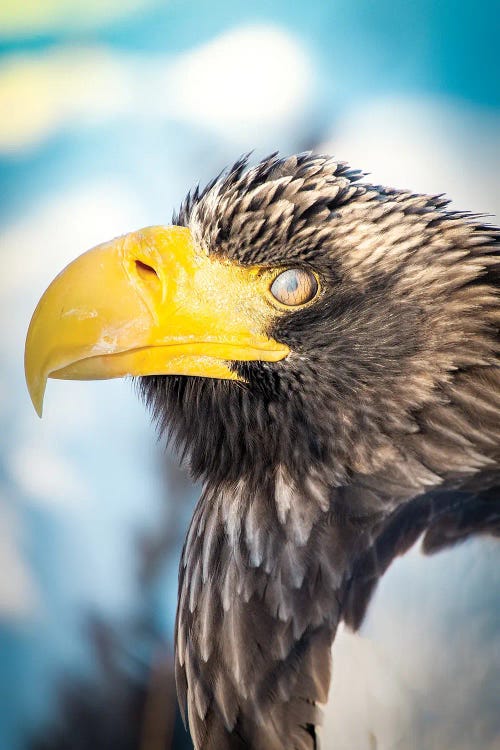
<point>149,303</point>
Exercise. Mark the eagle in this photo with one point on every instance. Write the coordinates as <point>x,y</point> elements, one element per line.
<point>323,352</point>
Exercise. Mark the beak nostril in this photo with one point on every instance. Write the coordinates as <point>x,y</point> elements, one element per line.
<point>144,270</point>
<point>148,276</point>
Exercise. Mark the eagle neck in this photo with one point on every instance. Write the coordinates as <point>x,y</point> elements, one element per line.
<point>260,577</point>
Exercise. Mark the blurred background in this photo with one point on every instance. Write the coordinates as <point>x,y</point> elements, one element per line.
<point>110,110</point>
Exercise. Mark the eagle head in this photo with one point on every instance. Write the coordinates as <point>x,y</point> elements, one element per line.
<point>372,292</point>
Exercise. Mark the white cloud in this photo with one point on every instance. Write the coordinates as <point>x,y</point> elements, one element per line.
<point>428,145</point>
<point>248,78</point>
<point>18,595</point>
<point>45,475</point>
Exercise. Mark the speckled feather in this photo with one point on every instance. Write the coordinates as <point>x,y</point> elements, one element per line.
<point>382,424</point>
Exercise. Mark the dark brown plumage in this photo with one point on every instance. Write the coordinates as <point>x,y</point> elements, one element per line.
<point>382,425</point>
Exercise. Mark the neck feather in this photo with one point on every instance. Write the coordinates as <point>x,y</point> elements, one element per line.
<point>258,609</point>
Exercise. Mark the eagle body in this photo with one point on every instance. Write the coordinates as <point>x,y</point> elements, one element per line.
<point>379,426</point>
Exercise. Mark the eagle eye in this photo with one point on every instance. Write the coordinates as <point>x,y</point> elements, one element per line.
<point>294,287</point>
